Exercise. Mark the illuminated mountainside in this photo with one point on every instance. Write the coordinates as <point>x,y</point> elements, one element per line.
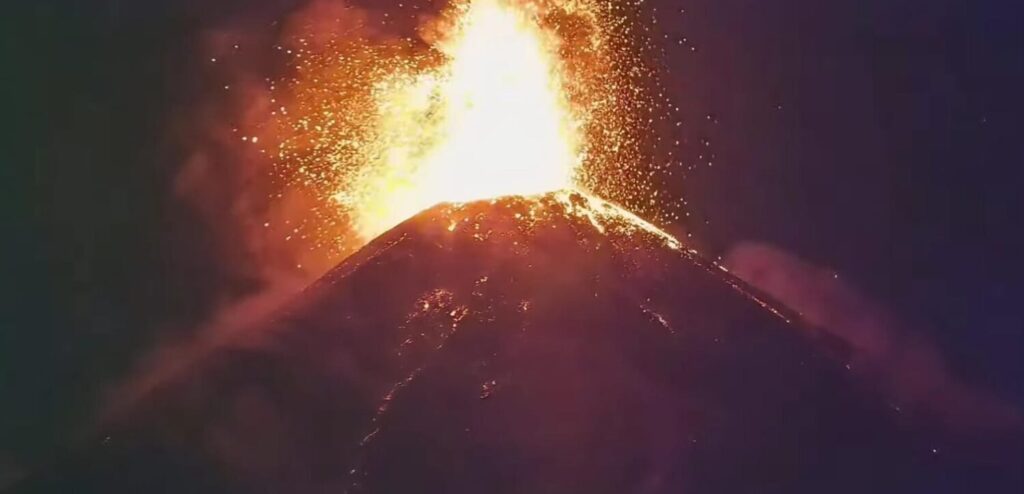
<point>515,346</point>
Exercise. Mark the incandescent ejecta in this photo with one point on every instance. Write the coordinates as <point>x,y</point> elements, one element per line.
<point>495,98</point>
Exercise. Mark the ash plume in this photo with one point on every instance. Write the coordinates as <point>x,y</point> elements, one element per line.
<point>259,224</point>
<point>887,355</point>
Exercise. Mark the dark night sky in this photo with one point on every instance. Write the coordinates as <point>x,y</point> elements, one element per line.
<point>879,137</point>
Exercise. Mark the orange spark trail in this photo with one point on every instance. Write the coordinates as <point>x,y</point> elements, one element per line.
<point>493,121</point>
<point>496,98</point>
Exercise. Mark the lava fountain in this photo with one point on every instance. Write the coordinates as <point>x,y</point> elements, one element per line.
<point>505,97</point>
<point>492,121</point>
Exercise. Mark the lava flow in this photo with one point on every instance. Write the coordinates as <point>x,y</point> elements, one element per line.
<point>508,97</point>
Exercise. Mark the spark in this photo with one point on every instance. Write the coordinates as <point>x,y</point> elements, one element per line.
<point>508,98</point>
<point>493,121</point>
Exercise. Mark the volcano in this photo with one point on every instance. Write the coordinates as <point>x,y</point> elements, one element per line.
<point>553,344</point>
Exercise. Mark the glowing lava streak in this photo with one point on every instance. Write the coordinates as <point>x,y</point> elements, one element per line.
<point>493,120</point>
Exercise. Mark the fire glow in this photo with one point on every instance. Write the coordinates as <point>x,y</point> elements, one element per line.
<point>493,98</point>
<point>492,121</point>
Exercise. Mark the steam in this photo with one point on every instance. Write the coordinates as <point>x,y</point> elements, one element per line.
<point>900,362</point>
<point>265,226</point>
<point>260,225</point>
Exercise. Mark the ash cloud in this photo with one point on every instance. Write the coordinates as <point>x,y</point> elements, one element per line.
<point>228,179</point>
<point>886,355</point>
<point>264,225</point>
<point>255,223</point>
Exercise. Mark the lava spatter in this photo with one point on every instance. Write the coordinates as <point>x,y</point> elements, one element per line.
<point>494,98</point>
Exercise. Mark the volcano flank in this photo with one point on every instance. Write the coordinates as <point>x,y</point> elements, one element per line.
<point>521,345</point>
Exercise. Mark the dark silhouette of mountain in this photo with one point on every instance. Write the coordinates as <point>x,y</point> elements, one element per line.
<point>544,345</point>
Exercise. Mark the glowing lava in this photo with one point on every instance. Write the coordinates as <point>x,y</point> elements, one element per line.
<point>493,121</point>
<point>493,98</point>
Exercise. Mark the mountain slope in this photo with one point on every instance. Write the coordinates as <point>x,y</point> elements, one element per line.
<point>552,344</point>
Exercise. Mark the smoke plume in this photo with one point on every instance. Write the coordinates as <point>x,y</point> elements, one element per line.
<point>902,363</point>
